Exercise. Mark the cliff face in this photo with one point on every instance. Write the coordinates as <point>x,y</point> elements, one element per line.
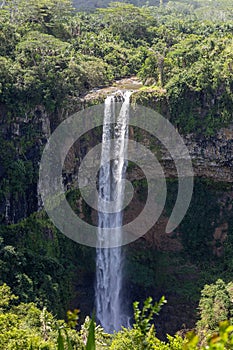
<point>213,156</point>
<point>24,139</point>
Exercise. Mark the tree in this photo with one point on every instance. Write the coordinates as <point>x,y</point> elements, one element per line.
<point>142,335</point>
<point>6,297</point>
<point>127,21</point>
<point>44,12</point>
<point>215,306</point>
<point>27,327</point>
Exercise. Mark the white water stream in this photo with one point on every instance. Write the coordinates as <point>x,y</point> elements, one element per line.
<point>109,261</point>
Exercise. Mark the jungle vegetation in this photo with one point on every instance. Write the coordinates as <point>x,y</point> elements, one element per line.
<point>51,55</point>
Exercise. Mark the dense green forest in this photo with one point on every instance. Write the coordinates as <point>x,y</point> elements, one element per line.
<point>190,5</point>
<point>51,55</point>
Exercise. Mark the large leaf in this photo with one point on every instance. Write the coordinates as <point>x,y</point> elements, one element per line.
<point>60,342</point>
<point>91,336</point>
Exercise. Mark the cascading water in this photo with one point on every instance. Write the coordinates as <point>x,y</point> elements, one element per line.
<point>111,188</point>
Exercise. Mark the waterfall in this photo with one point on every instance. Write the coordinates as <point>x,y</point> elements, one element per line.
<point>109,261</point>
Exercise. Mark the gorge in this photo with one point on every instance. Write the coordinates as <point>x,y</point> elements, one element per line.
<point>212,159</point>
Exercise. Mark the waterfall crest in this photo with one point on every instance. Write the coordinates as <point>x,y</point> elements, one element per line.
<point>109,261</point>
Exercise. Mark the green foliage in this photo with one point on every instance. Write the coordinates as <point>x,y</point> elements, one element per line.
<point>92,4</point>
<point>49,16</point>
<point>39,263</point>
<point>72,318</point>
<point>27,327</point>
<point>6,297</point>
<point>144,317</point>
<point>221,340</point>
<point>94,335</point>
<point>51,56</point>
<point>215,306</point>
<point>60,342</point>
<point>127,21</point>
<point>91,336</point>
<point>199,223</point>
<point>142,335</point>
